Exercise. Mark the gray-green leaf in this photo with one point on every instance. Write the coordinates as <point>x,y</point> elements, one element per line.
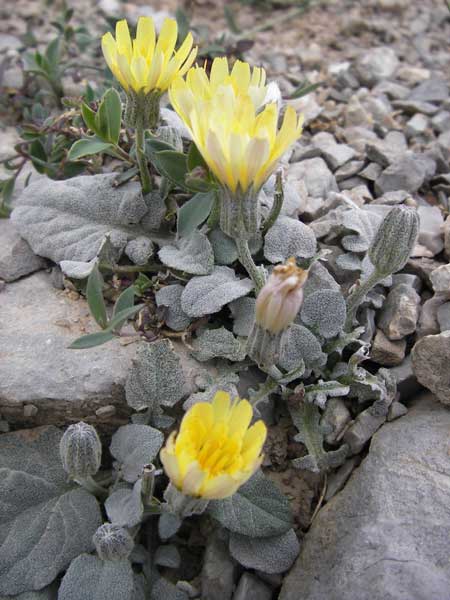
<point>44,521</point>
<point>257,509</point>
<point>135,446</point>
<point>270,555</point>
<point>192,255</point>
<point>206,295</point>
<point>90,578</point>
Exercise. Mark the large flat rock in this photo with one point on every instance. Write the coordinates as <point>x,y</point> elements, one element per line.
<point>16,257</point>
<point>37,324</point>
<point>386,536</point>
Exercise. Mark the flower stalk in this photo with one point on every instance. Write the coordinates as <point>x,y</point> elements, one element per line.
<point>245,258</point>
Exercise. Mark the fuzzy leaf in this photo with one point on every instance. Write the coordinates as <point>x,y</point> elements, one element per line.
<point>224,247</point>
<point>218,343</point>
<point>194,212</point>
<point>270,554</point>
<point>44,521</point>
<point>124,507</point>
<point>60,220</point>
<point>299,345</point>
<point>206,295</point>
<point>135,446</point>
<point>289,237</point>
<point>306,418</point>
<point>156,377</point>
<point>324,312</point>
<point>168,525</point>
<point>90,578</point>
<point>257,509</point>
<point>170,297</point>
<point>365,224</point>
<point>192,255</point>
<point>243,311</point>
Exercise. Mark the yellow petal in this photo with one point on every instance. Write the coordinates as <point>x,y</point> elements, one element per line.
<point>221,406</point>
<point>167,37</point>
<point>219,71</point>
<point>240,418</point>
<point>123,39</point>
<point>145,37</point>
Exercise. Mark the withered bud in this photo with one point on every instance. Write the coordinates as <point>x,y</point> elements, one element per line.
<point>281,297</point>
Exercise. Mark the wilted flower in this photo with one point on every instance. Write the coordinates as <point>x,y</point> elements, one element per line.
<point>277,305</point>
<point>215,451</point>
<point>281,297</point>
<point>237,136</point>
<point>80,450</point>
<point>147,64</point>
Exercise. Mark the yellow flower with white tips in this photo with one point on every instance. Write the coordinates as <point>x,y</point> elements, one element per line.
<point>215,451</point>
<point>146,63</point>
<point>236,134</point>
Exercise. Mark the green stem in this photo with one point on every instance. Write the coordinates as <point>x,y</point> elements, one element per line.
<point>358,295</point>
<point>149,268</point>
<point>89,484</point>
<point>214,215</point>
<point>146,180</point>
<point>278,199</point>
<point>248,263</point>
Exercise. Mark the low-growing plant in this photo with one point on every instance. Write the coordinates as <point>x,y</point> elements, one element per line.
<point>198,224</point>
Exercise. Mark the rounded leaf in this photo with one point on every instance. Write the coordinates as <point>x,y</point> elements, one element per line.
<point>324,312</point>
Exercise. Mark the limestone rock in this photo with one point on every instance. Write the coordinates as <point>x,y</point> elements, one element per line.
<point>386,352</point>
<point>16,257</point>
<point>431,359</point>
<point>400,312</point>
<point>37,324</point>
<point>376,64</point>
<point>386,536</point>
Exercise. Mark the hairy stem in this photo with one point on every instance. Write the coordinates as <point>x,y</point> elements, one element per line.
<point>358,295</point>
<point>278,199</point>
<point>89,484</point>
<point>248,263</point>
<point>146,180</point>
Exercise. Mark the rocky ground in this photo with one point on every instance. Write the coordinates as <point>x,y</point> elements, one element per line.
<point>377,133</point>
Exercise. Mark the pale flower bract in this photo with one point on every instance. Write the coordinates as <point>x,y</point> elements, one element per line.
<point>215,451</point>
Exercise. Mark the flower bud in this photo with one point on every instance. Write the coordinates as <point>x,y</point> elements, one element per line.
<point>80,450</point>
<point>394,240</point>
<point>277,306</point>
<point>281,297</point>
<point>112,542</point>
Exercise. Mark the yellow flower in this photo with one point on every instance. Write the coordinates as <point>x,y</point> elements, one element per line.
<point>215,451</point>
<point>145,64</point>
<point>237,136</point>
<point>281,297</point>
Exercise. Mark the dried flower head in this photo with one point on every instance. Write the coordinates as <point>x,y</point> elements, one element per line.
<point>281,297</point>
<point>215,451</point>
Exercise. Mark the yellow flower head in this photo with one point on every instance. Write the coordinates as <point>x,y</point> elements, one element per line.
<point>147,64</point>
<point>281,297</point>
<point>215,451</point>
<point>236,134</point>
